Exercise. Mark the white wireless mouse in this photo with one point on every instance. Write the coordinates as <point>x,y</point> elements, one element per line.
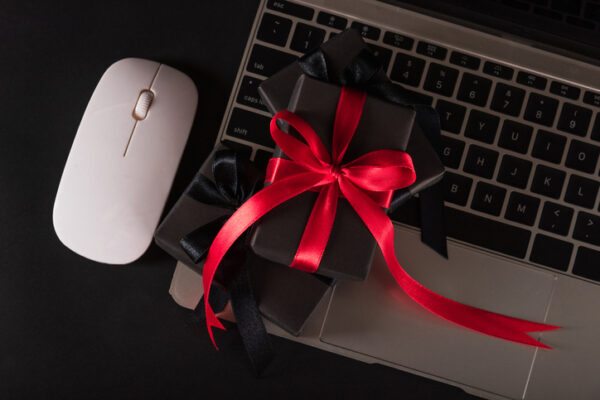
<point>123,160</point>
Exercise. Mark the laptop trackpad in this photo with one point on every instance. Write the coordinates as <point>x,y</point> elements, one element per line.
<point>376,318</point>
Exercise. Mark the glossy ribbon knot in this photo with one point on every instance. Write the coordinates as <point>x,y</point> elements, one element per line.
<point>360,182</point>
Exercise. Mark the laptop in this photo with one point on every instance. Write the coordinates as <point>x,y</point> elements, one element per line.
<point>517,87</point>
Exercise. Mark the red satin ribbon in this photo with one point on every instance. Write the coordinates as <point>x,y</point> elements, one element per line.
<point>363,182</point>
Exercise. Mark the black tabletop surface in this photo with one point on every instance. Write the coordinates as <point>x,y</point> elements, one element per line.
<point>74,329</point>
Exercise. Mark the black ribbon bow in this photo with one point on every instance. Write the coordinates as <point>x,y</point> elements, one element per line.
<point>235,180</point>
<point>365,72</point>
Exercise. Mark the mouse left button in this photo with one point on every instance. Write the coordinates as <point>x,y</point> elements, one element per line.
<point>143,104</point>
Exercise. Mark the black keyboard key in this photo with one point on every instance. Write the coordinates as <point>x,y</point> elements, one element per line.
<point>481,161</point>
<point>483,232</point>
<point>531,80</point>
<point>501,71</point>
<point>274,29</point>
<point>582,156</point>
<point>582,191</point>
<point>451,151</point>
<point>457,188</point>
<point>482,126</point>
<point>474,89</point>
<point>551,252</point>
<point>592,98</point>
<point>541,109</point>
<point>465,60</point>
<point>522,208</point>
<point>556,218</point>
<point>440,79</point>
<point>432,50</point>
<point>515,136</point>
<point>382,54</point>
<point>587,228</point>
<point>451,115</point>
<point>407,69</point>
<point>266,61</point>
<point>238,147</point>
<point>261,158</point>
<point>574,119</point>
<point>587,264</point>
<point>548,181</point>
<point>248,93</point>
<point>568,6</point>
<point>333,21</point>
<point>582,23</point>
<point>507,99</point>
<point>368,31</point>
<point>488,198</point>
<point>565,90</point>
<point>290,8</point>
<point>306,38</point>
<point>549,146</point>
<point>596,128</point>
<point>397,40</point>
<point>592,11</point>
<point>250,126</point>
<point>514,171</point>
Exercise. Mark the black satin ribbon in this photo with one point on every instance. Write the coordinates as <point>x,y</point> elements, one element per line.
<point>235,180</point>
<point>360,73</point>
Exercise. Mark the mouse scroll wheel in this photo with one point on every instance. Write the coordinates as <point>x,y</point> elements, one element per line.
<point>143,104</point>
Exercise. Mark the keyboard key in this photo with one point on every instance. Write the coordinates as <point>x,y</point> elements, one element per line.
<point>515,136</point>
<point>531,80</point>
<point>407,69</point>
<point>440,79</point>
<point>484,232</point>
<point>507,99</point>
<point>248,93</point>
<point>451,115</point>
<point>592,98</point>
<point>250,126</point>
<point>416,97</point>
<point>582,23</point>
<point>556,218</point>
<point>574,119</point>
<point>241,148</point>
<point>548,13</point>
<point>541,109</point>
<point>465,60</point>
<point>501,71</point>
<point>261,158</point>
<point>587,263</point>
<point>382,54</point>
<point>587,228</point>
<point>596,128</point>
<point>567,6</point>
<point>582,191</point>
<point>457,188</point>
<point>397,40</point>
<point>432,50</point>
<point>564,90</point>
<point>333,21</point>
<point>451,151</point>
<point>488,198</point>
<point>522,208</point>
<point>368,31</point>
<point>274,29</point>
<point>551,252</point>
<point>306,38</point>
<point>481,161</point>
<point>294,9</point>
<point>482,126</point>
<point>549,146</point>
<point>474,89</point>
<point>582,156</point>
<point>266,61</point>
<point>548,181</point>
<point>514,171</point>
<point>592,11</point>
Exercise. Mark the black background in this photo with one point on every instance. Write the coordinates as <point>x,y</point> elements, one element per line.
<point>72,328</point>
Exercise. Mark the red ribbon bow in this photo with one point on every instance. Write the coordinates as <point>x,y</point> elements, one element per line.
<point>366,183</point>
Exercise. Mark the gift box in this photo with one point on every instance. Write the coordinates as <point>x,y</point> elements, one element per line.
<point>284,295</point>
<point>350,247</point>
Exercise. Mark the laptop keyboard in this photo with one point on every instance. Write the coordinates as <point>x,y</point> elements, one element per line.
<point>521,150</point>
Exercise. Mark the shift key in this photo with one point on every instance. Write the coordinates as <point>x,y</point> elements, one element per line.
<point>266,61</point>
<point>249,126</point>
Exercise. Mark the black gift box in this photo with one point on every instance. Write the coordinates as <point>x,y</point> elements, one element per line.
<point>284,295</point>
<point>350,247</point>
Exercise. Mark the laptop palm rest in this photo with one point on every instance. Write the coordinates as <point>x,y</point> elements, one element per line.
<point>377,319</point>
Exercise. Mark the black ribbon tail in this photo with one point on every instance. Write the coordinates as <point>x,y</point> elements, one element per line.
<point>196,243</point>
<point>433,219</point>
